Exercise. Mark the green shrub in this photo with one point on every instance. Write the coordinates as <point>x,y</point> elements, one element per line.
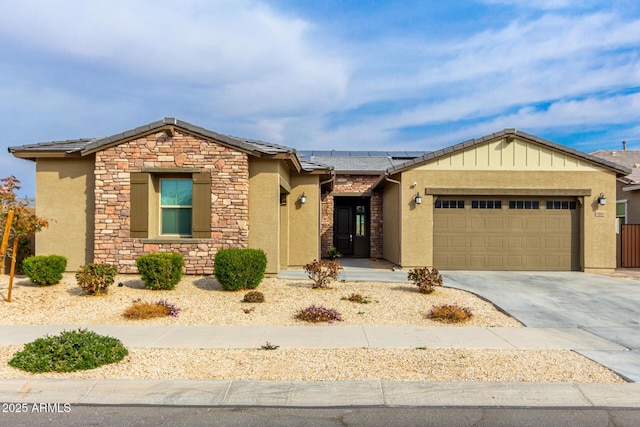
<point>322,272</point>
<point>424,279</point>
<point>357,298</point>
<point>44,270</point>
<point>70,351</point>
<point>237,269</point>
<point>160,271</point>
<point>95,279</point>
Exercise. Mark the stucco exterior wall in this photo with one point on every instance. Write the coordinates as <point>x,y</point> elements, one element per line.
<point>598,222</point>
<point>304,220</point>
<point>391,223</point>
<point>65,196</point>
<point>264,210</point>
<point>229,170</point>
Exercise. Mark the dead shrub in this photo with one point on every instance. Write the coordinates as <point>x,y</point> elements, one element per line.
<point>146,310</point>
<point>450,313</point>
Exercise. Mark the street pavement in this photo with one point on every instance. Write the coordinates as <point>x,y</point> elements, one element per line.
<point>590,314</point>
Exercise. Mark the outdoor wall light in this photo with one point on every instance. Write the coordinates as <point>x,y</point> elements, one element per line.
<point>303,198</point>
<point>602,200</point>
<point>418,198</point>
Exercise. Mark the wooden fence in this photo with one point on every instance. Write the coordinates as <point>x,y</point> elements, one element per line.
<point>630,245</point>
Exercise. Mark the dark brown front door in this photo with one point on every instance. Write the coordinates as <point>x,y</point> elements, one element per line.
<point>351,226</point>
<point>344,229</point>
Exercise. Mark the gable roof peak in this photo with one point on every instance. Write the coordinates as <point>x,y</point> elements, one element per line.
<point>510,133</point>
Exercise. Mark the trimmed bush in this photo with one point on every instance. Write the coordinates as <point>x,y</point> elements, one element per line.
<point>44,270</point>
<point>160,271</point>
<point>253,296</point>
<point>95,279</point>
<point>425,280</point>
<point>450,313</point>
<point>68,352</point>
<point>322,272</point>
<point>238,268</point>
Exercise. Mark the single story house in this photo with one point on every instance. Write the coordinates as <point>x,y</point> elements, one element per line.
<point>506,201</point>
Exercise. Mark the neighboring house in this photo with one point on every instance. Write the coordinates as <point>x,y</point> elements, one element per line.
<point>506,201</point>
<point>627,192</point>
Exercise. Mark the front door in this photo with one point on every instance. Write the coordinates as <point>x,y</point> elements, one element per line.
<point>344,229</point>
<point>351,226</point>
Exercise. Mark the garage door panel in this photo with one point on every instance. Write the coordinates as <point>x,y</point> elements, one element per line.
<point>458,222</point>
<point>458,242</point>
<point>506,239</point>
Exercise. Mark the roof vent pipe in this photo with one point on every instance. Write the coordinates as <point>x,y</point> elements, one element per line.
<point>624,145</point>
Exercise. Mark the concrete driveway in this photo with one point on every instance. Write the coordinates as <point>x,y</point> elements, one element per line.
<point>604,306</point>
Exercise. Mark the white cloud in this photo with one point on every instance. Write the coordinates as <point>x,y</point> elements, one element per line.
<point>242,49</point>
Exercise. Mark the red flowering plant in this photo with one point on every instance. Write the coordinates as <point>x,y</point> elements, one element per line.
<point>25,222</point>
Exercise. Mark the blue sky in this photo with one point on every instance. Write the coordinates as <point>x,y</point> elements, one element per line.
<point>415,75</point>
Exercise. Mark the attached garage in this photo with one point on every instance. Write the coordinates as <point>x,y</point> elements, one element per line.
<point>506,233</point>
<point>506,201</point>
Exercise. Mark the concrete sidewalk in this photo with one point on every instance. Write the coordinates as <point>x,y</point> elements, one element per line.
<point>327,337</point>
<point>318,394</point>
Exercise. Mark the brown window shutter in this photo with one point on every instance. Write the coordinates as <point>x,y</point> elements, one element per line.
<point>139,204</point>
<point>201,222</point>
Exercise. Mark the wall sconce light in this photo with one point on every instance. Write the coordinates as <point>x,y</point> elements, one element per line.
<point>418,198</point>
<point>303,198</point>
<point>602,200</point>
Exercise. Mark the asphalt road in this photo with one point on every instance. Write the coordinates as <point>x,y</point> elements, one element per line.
<point>309,417</point>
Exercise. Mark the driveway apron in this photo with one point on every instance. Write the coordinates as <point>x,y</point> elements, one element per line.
<point>604,306</point>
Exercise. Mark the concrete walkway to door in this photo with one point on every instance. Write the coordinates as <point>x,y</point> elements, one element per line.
<point>604,306</point>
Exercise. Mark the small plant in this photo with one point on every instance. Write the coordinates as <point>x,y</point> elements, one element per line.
<point>160,271</point>
<point>238,268</point>
<point>450,313</point>
<point>333,253</point>
<point>45,270</point>
<point>248,310</point>
<point>424,279</point>
<point>95,279</point>
<point>148,310</point>
<point>322,272</point>
<point>68,352</point>
<point>316,314</point>
<point>356,298</point>
<point>269,346</point>
<point>253,296</point>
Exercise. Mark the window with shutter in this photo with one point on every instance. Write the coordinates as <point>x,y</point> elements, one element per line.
<point>182,204</point>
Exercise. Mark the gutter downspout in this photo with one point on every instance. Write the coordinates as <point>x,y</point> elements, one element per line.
<point>386,178</point>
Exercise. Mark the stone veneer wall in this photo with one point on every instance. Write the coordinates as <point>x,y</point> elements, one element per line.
<point>352,184</point>
<point>229,198</point>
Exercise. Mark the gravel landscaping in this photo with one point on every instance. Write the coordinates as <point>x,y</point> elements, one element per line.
<point>202,302</point>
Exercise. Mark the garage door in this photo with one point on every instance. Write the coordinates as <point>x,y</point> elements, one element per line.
<point>472,233</point>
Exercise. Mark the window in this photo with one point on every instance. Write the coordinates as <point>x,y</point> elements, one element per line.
<point>176,198</point>
<point>561,205</point>
<point>449,204</point>
<point>486,204</point>
<point>621,214</point>
<point>524,204</point>
<point>360,224</point>
<point>171,204</point>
